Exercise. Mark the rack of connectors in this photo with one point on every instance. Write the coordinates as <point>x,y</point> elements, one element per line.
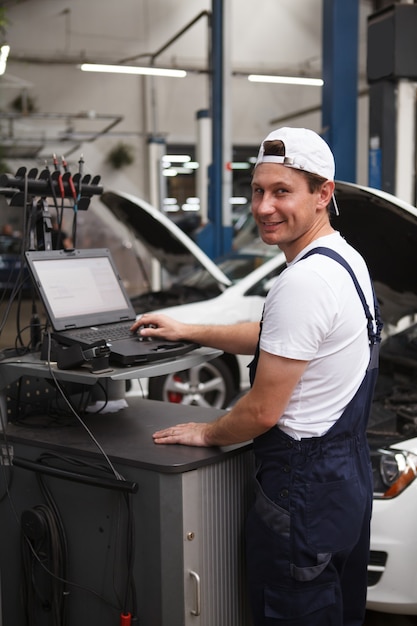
<point>58,184</point>
<point>53,187</point>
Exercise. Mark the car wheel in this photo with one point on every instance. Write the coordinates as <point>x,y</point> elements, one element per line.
<point>208,384</point>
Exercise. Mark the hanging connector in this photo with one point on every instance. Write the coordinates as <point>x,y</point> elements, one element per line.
<point>68,178</point>
<point>58,177</point>
<point>125,619</point>
<point>81,166</point>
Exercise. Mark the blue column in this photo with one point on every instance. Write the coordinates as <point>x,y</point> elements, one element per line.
<point>216,237</point>
<point>340,90</point>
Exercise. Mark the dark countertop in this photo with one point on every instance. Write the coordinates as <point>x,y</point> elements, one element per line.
<point>126,436</point>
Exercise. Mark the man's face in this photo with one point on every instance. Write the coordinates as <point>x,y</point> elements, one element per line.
<point>285,210</point>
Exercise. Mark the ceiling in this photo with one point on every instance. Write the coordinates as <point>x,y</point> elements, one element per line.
<point>62,33</point>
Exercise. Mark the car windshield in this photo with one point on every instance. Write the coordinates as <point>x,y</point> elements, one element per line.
<point>235,267</point>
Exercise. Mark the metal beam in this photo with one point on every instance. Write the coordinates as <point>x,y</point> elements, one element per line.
<point>216,237</point>
<point>340,75</point>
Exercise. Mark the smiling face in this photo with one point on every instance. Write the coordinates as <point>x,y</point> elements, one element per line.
<point>287,213</point>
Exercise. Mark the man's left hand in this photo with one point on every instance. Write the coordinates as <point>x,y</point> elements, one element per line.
<point>190,434</point>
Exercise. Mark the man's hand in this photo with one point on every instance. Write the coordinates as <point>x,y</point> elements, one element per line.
<point>159,325</point>
<point>190,434</point>
<point>256,412</point>
<point>240,338</point>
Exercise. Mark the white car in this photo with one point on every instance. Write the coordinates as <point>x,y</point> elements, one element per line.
<point>384,230</point>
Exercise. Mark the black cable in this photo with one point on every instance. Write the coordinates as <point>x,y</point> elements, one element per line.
<point>130,557</point>
<point>42,545</point>
<point>130,587</point>
<point>51,553</point>
<point>15,295</point>
<point>60,540</point>
<point>6,460</point>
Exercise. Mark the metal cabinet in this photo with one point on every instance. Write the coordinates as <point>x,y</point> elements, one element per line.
<point>174,526</point>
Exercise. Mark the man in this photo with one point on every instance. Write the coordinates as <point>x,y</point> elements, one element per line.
<point>312,383</point>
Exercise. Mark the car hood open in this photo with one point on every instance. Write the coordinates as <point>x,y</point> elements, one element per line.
<point>163,239</point>
<point>383,229</point>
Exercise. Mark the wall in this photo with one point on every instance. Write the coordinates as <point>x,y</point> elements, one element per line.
<point>49,37</point>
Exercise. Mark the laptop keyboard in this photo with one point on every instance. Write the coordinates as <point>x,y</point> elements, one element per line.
<point>111,331</point>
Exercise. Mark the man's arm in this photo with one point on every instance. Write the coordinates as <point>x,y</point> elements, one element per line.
<point>258,411</point>
<point>233,338</point>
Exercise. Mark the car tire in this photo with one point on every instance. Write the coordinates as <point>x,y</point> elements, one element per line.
<point>208,384</point>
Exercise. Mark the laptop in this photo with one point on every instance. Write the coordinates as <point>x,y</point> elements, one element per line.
<point>86,303</point>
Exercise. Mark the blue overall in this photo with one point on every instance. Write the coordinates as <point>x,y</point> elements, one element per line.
<point>308,530</point>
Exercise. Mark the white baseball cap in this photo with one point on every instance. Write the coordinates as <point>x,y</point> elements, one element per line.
<point>305,150</point>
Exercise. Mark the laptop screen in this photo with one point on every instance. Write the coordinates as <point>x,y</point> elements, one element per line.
<point>79,288</point>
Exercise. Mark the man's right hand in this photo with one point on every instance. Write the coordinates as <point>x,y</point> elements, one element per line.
<point>159,326</point>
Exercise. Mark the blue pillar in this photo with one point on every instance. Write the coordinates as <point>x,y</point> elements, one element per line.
<point>216,237</point>
<point>216,195</point>
<point>340,90</point>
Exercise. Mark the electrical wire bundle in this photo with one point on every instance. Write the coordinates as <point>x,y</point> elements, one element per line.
<point>46,589</point>
<point>30,192</point>
<point>44,564</point>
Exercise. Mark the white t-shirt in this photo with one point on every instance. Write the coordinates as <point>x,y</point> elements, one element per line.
<point>313,313</point>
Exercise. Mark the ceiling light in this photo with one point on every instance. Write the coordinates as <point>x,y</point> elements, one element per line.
<point>176,158</point>
<point>238,200</point>
<point>4,53</point>
<point>286,80</point>
<point>132,69</point>
<point>182,170</point>
<point>239,165</point>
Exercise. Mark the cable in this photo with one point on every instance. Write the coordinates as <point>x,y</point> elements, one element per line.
<point>6,459</point>
<point>42,530</point>
<point>47,545</point>
<point>74,412</point>
<point>130,548</point>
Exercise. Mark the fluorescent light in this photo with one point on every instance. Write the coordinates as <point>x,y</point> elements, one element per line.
<point>176,158</point>
<point>132,69</point>
<point>181,170</point>
<point>240,165</point>
<point>286,80</point>
<point>238,200</point>
<point>4,53</point>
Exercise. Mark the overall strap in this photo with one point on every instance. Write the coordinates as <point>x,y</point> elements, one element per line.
<point>374,335</point>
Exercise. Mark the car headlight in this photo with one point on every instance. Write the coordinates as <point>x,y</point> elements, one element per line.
<point>393,471</point>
